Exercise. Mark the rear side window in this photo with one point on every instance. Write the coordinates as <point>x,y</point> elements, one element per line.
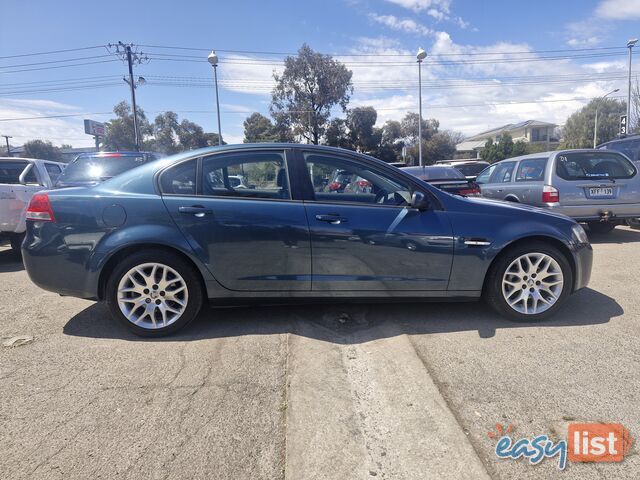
<point>503,173</point>
<point>179,179</point>
<point>246,175</point>
<point>53,170</point>
<point>593,165</point>
<point>471,169</point>
<point>10,171</point>
<point>531,170</point>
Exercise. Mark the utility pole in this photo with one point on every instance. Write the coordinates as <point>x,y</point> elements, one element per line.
<point>595,125</point>
<point>421,55</point>
<point>630,44</point>
<point>133,97</point>
<point>131,56</point>
<point>7,137</point>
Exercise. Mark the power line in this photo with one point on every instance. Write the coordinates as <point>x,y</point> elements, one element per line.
<point>51,52</point>
<point>59,66</point>
<point>93,57</point>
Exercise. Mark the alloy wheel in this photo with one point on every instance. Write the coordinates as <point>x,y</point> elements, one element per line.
<point>532,283</point>
<point>152,295</point>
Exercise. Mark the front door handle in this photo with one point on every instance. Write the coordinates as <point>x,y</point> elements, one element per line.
<point>333,219</point>
<point>196,210</point>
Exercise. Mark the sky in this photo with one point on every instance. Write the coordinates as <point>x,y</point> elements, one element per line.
<point>489,62</point>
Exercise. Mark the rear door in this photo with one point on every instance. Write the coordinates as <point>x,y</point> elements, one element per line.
<point>253,236</point>
<point>529,180</point>
<point>19,180</point>
<point>498,181</point>
<point>599,177</point>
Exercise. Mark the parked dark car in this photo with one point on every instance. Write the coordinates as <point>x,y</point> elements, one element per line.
<point>630,146</point>
<point>469,168</point>
<point>447,179</point>
<point>156,241</point>
<point>92,168</point>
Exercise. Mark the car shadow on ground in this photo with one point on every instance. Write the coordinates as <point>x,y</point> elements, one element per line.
<point>617,235</point>
<point>350,322</point>
<point>9,261</point>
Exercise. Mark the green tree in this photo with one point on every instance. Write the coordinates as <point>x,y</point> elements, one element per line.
<point>43,150</point>
<point>259,129</point>
<point>503,148</point>
<point>336,134</point>
<point>409,131</point>
<point>120,133</point>
<point>578,130</point>
<point>441,146</point>
<point>360,122</point>
<point>309,87</point>
<point>165,132</point>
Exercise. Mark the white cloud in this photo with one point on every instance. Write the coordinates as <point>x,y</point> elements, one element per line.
<point>618,9</point>
<point>402,24</point>
<point>57,130</point>
<point>418,5</point>
<point>583,42</point>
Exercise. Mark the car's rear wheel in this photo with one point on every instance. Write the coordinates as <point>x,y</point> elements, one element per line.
<point>16,243</point>
<point>529,282</point>
<point>154,293</point>
<point>601,227</point>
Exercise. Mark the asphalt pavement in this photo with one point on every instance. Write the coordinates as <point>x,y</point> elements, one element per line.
<point>341,391</point>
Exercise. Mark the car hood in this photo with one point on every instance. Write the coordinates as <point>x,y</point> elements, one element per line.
<point>501,204</point>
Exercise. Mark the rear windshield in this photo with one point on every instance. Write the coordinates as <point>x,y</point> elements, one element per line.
<point>10,171</point>
<point>631,148</point>
<point>472,169</point>
<point>593,165</point>
<point>434,173</point>
<point>98,169</point>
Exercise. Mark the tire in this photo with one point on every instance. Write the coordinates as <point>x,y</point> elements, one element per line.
<point>601,227</point>
<point>533,308</point>
<point>16,243</point>
<point>157,311</point>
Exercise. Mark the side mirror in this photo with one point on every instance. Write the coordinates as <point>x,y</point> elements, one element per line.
<point>419,201</point>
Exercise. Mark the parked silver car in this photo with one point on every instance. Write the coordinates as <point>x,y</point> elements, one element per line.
<point>599,187</point>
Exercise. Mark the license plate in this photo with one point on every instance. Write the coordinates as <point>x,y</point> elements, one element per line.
<point>601,192</point>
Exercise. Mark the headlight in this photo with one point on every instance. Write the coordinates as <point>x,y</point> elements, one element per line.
<point>579,234</point>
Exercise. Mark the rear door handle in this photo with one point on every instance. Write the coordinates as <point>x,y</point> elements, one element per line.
<point>333,219</point>
<point>196,210</point>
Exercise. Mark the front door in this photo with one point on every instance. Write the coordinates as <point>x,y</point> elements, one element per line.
<point>238,216</point>
<point>363,235</point>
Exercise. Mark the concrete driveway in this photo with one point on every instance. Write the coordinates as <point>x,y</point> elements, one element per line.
<point>393,391</point>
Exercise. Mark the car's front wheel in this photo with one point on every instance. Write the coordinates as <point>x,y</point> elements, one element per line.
<point>154,293</point>
<point>529,282</point>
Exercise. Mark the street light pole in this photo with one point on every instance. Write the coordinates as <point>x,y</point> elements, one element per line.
<point>132,85</point>
<point>421,55</point>
<point>630,44</point>
<point>213,60</point>
<point>595,126</point>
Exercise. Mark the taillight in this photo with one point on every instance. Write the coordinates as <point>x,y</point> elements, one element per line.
<point>40,208</point>
<point>364,183</point>
<point>550,194</point>
<point>472,191</point>
<point>335,186</point>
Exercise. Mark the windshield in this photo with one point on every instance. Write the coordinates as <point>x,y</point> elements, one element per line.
<point>435,173</point>
<point>94,168</point>
<point>593,165</point>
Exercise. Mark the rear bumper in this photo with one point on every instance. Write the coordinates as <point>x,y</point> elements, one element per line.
<point>597,212</point>
<point>53,266</point>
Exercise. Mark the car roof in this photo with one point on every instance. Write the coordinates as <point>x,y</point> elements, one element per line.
<point>25,159</point>
<point>114,154</point>
<point>635,136</point>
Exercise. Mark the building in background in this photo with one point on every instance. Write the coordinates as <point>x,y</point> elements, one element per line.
<point>529,131</point>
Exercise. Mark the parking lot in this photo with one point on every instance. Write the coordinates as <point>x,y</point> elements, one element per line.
<point>325,391</point>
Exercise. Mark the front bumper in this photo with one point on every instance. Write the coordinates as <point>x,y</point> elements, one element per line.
<point>613,211</point>
<point>583,261</point>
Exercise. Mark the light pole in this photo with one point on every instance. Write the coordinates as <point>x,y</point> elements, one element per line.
<point>630,44</point>
<point>595,125</point>
<point>213,60</point>
<point>421,55</point>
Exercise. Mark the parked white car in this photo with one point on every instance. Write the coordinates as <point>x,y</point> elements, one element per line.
<point>20,178</point>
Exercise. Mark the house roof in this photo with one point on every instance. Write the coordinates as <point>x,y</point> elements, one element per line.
<point>468,146</point>
<point>509,127</point>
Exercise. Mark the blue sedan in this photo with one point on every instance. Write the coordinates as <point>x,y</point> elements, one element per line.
<point>156,241</point>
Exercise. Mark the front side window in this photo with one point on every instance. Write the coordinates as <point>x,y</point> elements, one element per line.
<point>531,170</point>
<point>593,166</point>
<point>179,179</point>
<point>503,173</point>
<point>335,179</point>
<point>246,175</point>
